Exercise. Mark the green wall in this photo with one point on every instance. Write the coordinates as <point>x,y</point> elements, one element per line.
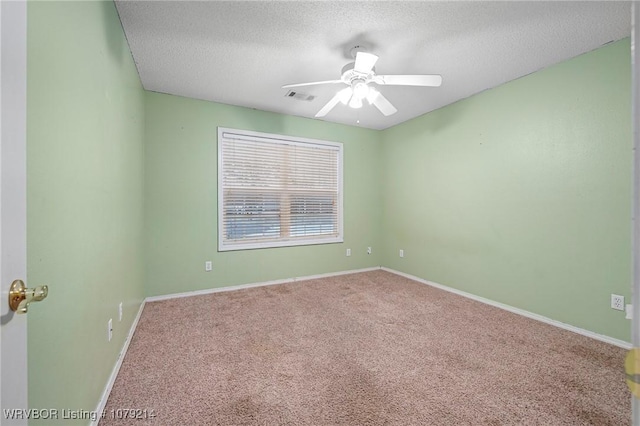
<point>181,198</point>
<point>85,130</point>
<point>522,194</point>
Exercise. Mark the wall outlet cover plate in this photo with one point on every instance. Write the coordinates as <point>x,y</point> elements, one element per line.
<point>617,302</point>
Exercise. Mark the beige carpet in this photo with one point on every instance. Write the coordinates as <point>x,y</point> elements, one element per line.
<point>362,349</point>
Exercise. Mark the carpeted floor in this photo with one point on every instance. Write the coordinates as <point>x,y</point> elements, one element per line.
<point>363,349</point>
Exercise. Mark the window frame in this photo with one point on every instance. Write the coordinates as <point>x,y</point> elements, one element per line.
<point>295,241</point>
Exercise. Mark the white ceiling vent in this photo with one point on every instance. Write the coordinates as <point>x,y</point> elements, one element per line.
<point>299,96</point>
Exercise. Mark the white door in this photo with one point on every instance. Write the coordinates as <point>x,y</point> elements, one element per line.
<point>13,243</point>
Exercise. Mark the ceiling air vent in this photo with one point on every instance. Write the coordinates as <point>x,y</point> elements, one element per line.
<point>299,96</point>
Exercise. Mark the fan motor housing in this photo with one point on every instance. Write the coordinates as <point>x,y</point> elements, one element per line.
<point>349,74</point>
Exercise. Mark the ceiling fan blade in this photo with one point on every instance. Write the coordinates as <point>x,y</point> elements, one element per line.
<point>329,106</point>
<point>286,86</point>
<point>383,104</point>
<point>345,94</point>
<point>365,62</point>
<point>432,80</point>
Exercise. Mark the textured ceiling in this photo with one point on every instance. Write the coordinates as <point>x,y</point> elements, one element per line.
<point>241,52</point>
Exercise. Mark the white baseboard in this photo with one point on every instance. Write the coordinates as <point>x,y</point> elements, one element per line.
<point>252,285</point>
<point>116,368</point>
<point>601,337</point>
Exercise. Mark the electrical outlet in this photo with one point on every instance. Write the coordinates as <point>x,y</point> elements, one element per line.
<point>120,312</point>
<point>401,253</point>
<point>348,252</point>
<point>208,266</point>
<point>110,329</point>
<point>617,302</point>
<point>368,250</point>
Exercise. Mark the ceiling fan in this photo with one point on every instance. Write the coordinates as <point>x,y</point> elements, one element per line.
<point>359,75</point>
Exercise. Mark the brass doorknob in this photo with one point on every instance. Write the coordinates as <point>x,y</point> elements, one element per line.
<point>20,296</point>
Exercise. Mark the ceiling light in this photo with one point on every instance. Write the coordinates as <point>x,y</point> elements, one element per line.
<point>355,102</point>
<point>360,90</point>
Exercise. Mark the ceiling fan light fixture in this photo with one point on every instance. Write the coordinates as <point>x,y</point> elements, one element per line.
<point>360,90</point>
<point>355,102</point>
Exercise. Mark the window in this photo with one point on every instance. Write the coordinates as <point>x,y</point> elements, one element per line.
<point>276,191</point>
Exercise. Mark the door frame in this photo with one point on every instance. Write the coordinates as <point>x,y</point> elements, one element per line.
<point>13,203</point>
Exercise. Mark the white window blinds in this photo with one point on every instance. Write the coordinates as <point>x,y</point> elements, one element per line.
<point>276,191</point>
